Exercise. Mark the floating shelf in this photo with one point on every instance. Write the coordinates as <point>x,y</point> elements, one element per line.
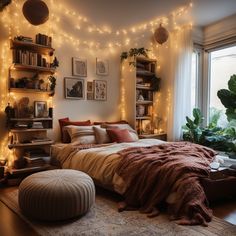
<point>144,102</point>
<point>143,117</point>
<point>17,44</point>
<point>16,66</point>
<point>25,90</point>
<point>143,87</point>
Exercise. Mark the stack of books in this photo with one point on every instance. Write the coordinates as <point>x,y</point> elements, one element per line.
<point>43,40</point>
<point>36,157</point>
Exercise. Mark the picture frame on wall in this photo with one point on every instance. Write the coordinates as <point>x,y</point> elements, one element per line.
<point>79,67</point>
<point>74,88</point>
<point>40,109</point>
<point>102,66</point>
<point>90,90</point>
<point>100,90</point>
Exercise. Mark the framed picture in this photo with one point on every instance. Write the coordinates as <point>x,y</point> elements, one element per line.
<point>90,86</point>
<point>40,109</point>
<point>79,67</point>
<point>102,67</point>
<point>74,88</point>
<point>90,96</point>
<point>100,90</point>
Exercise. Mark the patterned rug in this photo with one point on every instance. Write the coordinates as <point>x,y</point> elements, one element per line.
<point>103,219</point>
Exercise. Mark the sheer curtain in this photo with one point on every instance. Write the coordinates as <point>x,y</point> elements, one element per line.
<point>177,59</point>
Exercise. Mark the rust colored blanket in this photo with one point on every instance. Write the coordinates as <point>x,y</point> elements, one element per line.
<point>152,173</point>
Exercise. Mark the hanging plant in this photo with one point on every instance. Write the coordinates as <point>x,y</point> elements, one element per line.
<point>134,52</point>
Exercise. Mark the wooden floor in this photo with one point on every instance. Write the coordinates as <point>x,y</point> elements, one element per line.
<point>12,225</point>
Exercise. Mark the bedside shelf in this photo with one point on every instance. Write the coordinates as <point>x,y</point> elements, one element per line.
<point>31,119</point>
<point>144,102</point>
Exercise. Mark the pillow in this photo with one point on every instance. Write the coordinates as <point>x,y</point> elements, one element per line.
<point>65,138</point>
<point>132,132</point>
<point>101,135</point>
<point>119,135</point>
<point>81,134</point>
<point>108,122</point>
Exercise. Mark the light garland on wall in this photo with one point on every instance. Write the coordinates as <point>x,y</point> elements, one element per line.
<point>114,40</point>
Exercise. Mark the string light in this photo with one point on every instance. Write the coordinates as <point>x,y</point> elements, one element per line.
<point>121,38</point>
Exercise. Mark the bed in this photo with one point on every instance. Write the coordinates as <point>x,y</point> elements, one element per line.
<point>147,172</point>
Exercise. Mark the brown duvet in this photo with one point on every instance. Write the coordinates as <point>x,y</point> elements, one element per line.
<point>152,173</point>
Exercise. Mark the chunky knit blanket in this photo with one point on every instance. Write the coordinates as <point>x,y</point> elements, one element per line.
<point>154,173</point>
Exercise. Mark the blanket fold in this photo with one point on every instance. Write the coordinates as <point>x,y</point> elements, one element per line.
<point>153,173</point>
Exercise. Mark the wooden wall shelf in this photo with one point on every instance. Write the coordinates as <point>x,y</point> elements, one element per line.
<point>21,67</point>
<point>17,44</point>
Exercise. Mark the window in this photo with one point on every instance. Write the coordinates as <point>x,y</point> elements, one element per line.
<point>222,66</point>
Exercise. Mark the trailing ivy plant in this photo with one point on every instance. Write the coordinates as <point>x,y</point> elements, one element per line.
<point>133,53</point>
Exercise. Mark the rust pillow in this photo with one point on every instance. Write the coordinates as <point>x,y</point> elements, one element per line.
<point>119,135</point>
<point>65,138</point>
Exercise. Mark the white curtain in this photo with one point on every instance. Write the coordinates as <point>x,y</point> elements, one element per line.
<point>176,66</point>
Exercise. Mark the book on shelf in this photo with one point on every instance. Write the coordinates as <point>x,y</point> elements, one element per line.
<point>43,40</point>
<point>26,57</point>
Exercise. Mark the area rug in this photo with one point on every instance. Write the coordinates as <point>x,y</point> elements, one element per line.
<point>103,219</point>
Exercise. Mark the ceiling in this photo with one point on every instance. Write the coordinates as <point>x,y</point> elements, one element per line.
<point>125,13</point>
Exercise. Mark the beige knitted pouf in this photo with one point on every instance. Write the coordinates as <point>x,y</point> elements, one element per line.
<point>56,194</point>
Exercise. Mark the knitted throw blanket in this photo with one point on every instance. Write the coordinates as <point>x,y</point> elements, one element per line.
<point>153,173</point>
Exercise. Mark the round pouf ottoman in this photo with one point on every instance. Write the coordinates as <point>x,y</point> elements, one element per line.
<point>56,194</point>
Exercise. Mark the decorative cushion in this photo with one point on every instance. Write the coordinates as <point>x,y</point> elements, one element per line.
<point>132,132</point>
<point>56,195</point>
<point>119,135</point>
<point>65,138</point>
<point>81,134</point>
<point>61,121</point>
<point>101,135</point>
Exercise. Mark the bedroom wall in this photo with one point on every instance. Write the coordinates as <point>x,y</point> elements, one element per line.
<point>69,41</point>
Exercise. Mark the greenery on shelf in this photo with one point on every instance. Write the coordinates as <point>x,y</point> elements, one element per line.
<point>218,138</point>
<point>133,53</point>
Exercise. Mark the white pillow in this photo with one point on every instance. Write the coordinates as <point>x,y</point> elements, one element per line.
<point>81,134</point>
<point>101,135</point>
<point>132,132</point>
